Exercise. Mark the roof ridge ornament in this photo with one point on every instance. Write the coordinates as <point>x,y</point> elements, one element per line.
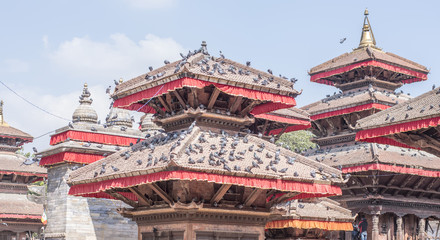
<point>203,48</point>
<point>367,36</point>
<point>85,112</point>
<point>2,120</point>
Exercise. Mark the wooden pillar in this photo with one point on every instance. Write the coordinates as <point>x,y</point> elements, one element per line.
<point>421,234</point>
<point>375,225</point>
<point>399,228</point>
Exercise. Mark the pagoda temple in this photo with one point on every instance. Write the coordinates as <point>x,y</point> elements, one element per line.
<point>395,187</point>
<point>206,176</point>
<point>414,124</point>
<point>315,218</point>
<point>19,217</point>
<point>82,142</point>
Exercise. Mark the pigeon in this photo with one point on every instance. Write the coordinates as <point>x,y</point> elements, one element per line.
<point>191,161</point>
<point>342,40</point>
<point>283,170</point>
<point>107,90</point>
<point>226,167</point>
<point>150,68</point>
<point>28,161</point>
<point>255,165</point>
<point>116,82</point>
<point>115,168</point>
<point>127,155</point>
<point>93,129</point>
<point>201,160</point>
<point>70,125</point>
<point>248,63</point>
<point>139,162</point>
<point>34,149</point>
<point>269,71</point>
<point>313,173</point>
<point>88,144</point>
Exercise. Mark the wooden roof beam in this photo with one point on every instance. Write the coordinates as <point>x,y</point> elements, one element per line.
<point>164,104</point>
<point>122,198</point>
<point>249,107</point>
<point>180,99</point>
<point>14,177</point>
<point>213,98</point>
<point>156,108</point>
<point>160,192</point>
<point>354,187</point>
<point>220,193</point>
<point>169,101</point>
<point>236,104</point>
<point>252,197</point>
<point>141,198</point>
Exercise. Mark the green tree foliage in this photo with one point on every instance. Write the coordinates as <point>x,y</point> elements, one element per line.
<point>297,140</point>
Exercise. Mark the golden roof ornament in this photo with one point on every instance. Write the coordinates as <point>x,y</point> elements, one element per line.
<point>121,80</point>
<point>367,36</point>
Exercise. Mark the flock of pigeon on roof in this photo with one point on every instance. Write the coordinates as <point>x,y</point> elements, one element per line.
<point>227,154</point>
<point>211,65</point>
<point>353,93</point>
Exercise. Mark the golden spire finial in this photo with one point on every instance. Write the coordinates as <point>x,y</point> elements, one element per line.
<point>367,36</point>
<point>85,85</point>
<point>121,80</point>
<point>2,120</point>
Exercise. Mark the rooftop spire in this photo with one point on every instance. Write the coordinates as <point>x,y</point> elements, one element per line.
<point>2,120</point>
<point>367,37</point>
<point>85,112</point>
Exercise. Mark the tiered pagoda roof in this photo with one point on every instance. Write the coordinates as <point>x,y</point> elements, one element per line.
<point>315,217</point>
<point>86,140</point>
<point>381,177</point>
<point>17,213</point>
<point>207,161</point>
<point>412,124</point>
<point>386,70</point>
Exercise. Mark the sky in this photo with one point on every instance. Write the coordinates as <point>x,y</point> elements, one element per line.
<point>49,49</point>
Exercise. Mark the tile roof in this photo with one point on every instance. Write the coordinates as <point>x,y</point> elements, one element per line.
<point>14,163</point>
<point>363,153</point>
<point>294,112</point>
<point>194,153</point>
<point>13,132</point>
<point>19,204</point>
<point>197,65</point>
<point>365,54</point>
<point>322,209</point>
<point>424,106</point>
<point>354,98</point>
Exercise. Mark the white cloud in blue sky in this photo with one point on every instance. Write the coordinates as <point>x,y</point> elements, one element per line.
<point>119,55</point>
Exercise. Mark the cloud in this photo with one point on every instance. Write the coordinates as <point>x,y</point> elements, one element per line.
<point>13,66</point>
<point>151,4</point>
<point>45,40</point>
<point>118,57</point>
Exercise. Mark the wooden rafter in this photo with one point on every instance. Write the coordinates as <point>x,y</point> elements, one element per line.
<point>213,98</point>
<point>122,198</point>
<point>156,108</point>
<point>1,176</point>
<point>220,193</point>
<point>141,198</point>
<point>252,197</point>
<point>264,126</point>
<point>180,99</point>
<point>164,104</point>
<point>354,187</point>
<point>236,104</point>
<point>160,192</point>
<point>168,100</point>
<point>282,131</point>
<point>14,177</point>
<point>249,107</point>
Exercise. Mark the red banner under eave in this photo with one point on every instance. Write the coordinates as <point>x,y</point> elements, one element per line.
<point>397,128</point>
<point>20,216</point>
<point>349,110</point>
<point>92,137</point>
<point>128,195</point>
<point>391,168</point>
<point>24,173</point>
<point>418,76</point>
<point>130,102</point>
<point>290,129</point>
<point>282,119</point>
<point>72,157</point>
<point>388,141</point>
<point>322,190</point>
